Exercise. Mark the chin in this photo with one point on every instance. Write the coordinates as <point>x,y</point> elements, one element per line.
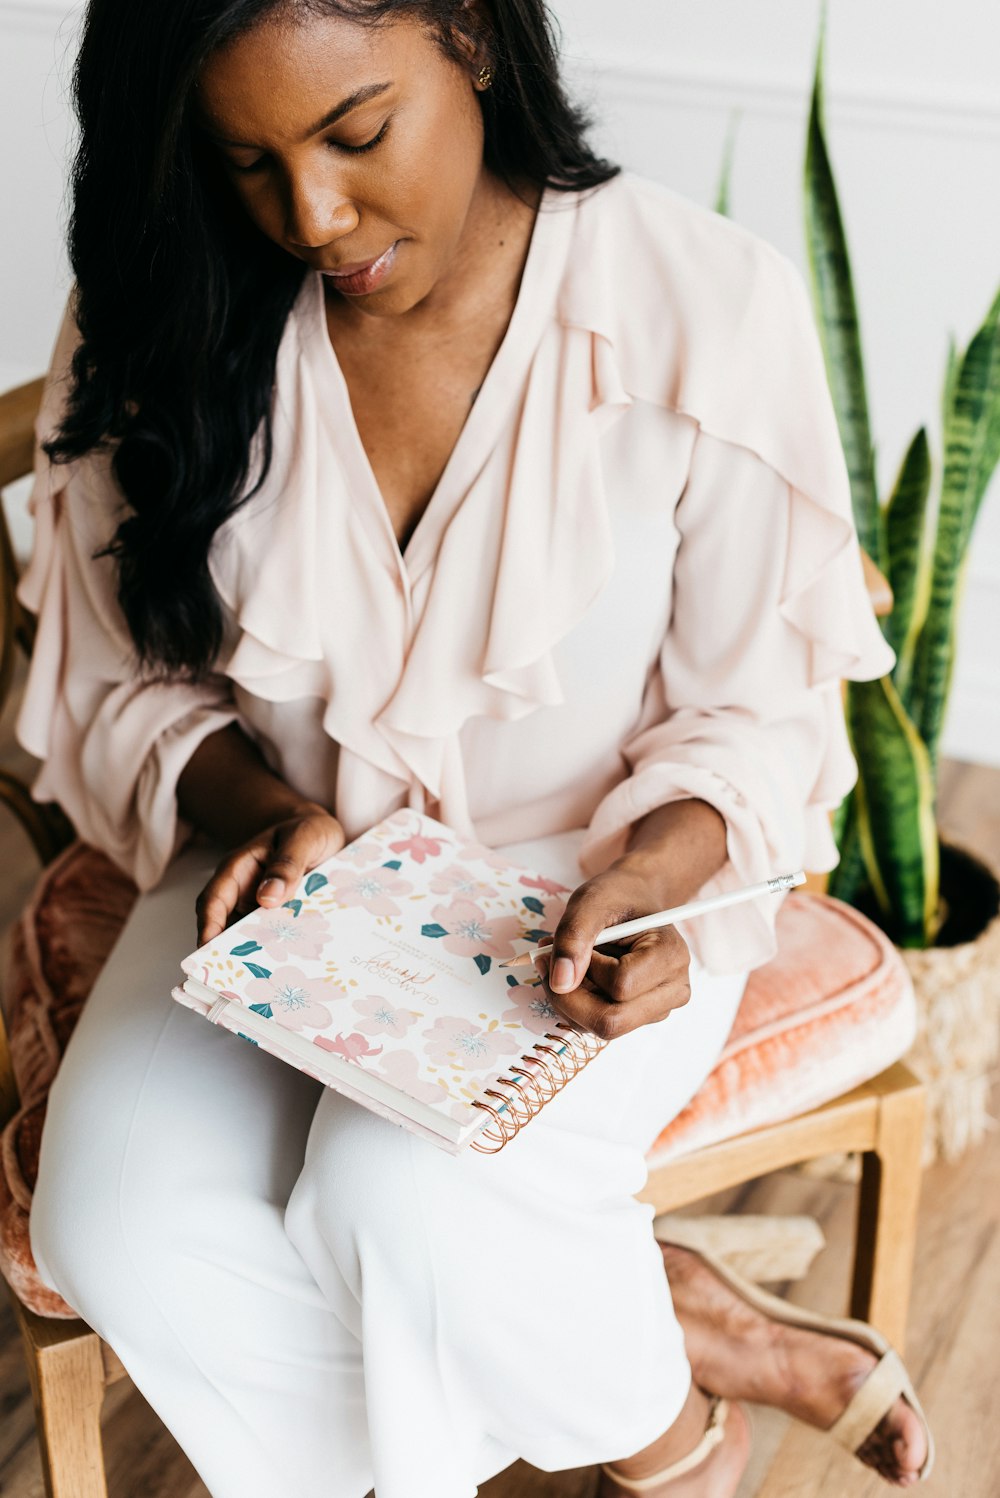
<point>390,301</point>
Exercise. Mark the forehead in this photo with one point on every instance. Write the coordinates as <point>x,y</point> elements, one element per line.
<point>277,78</point>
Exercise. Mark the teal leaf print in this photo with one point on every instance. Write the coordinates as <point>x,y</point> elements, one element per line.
<point>532,902</point>
<point>247,1038</point>
<point>293,905</point>
<point>315,882</point>
<point>258,972</point>
<point>394,863</point>
<point>512,981</point>
<point>433,930</point>
<point>483,963</point>
<point>537,935</point>
<point>264,1009</point>
<point>245,948</point>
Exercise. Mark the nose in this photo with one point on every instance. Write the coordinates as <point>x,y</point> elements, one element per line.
<point>318,212</point>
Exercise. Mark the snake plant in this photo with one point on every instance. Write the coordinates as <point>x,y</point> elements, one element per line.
<point>886,827</point>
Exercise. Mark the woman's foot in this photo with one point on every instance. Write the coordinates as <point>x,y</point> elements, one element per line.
<point>740,1353</point>
<point>716,1475</point>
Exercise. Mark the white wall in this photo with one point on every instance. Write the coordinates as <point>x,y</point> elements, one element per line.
<point>913,106</point>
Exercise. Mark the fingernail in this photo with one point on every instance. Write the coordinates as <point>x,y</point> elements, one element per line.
<point>561,976</point>
<point>271,887</point>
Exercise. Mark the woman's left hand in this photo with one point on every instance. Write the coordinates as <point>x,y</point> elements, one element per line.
<point>625,984</point>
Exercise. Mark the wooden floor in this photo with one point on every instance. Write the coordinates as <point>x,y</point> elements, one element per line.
<point>954,1348</point>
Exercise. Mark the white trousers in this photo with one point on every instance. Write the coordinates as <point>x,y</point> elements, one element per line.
<point>315,1301</point>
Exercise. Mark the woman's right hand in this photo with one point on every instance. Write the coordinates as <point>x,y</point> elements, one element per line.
<point>267,867</point>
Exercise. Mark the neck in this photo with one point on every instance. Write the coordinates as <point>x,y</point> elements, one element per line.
<point>484,272</point>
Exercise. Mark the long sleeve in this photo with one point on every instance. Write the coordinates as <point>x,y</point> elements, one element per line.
<point>112,746</point>
<point>739,713</point>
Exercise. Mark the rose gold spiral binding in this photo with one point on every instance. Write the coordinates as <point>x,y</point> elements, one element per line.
<point>511,1108</point>
<point>562,1060</point>
<point>525,1099</point>
<point>530,1093</point>
<point>539,1095</point>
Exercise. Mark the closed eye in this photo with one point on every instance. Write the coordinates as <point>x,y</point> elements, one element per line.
<point>368,145</point>
<point>245,168</point>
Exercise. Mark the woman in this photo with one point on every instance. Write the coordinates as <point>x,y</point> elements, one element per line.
<point>398,451</point>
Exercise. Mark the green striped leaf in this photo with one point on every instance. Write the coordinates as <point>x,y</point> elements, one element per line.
<point>950,372</point>
<point>895,812</point>
<point>849,880</point>
<point>908,559</point>
<point>991,446</point>
<point>971,449</point>
<point>726,170</point>
<point>837,316</point>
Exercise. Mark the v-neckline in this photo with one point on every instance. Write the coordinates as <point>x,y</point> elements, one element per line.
<point>533,307</point>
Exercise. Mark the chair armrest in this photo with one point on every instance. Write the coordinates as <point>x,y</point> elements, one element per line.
<point>18,409</point>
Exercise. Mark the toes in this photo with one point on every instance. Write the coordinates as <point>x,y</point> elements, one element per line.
<point>896,1448</point>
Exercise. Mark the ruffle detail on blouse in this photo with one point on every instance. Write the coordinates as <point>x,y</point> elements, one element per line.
<point>519,589</point>
<point>471,635</point>
<point>736,349</point>
<point>497,585</point>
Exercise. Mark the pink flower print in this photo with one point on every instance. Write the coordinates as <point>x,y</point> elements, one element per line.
<point>531,1008</point>
<point>352,1047</point>
<point>550,886</point>
<point>469,932</point>
<point>383,1018</point>
<point>419,847</point>
<point>545,914</point>
<point>403,1069</point>
<point>294,1000</point>
<point>372,888</point>
<point>362,853</point>
<point>479,853</point>
<point>454,880</point>
<point>459,1043</point>
<point>282,934</point>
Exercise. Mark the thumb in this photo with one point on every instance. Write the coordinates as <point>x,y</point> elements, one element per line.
<point>572,947</point>
<point>285,864</point>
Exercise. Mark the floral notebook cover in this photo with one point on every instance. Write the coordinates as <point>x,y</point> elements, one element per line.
<point>381,978</point>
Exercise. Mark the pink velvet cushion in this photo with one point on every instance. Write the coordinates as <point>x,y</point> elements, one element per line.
<point>834,1008</point>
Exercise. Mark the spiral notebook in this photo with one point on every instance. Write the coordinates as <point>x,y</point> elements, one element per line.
<point>380,978</point>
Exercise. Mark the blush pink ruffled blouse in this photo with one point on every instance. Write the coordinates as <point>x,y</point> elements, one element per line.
<point>637,581</point>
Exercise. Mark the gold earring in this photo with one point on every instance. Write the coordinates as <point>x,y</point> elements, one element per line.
<point>485,77</point>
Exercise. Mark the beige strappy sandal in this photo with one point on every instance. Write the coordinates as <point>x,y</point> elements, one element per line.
<point>715,1431</point>
<point>887,1381</point>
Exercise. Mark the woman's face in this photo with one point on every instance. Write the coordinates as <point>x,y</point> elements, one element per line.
<point>349,145</point>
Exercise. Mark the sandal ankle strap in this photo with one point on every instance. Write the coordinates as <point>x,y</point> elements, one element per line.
<point>715,1431</point>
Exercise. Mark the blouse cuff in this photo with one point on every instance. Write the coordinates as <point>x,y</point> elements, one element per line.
<point>724,941</point>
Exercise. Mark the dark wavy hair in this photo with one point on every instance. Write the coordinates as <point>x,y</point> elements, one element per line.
<point>181,301</point>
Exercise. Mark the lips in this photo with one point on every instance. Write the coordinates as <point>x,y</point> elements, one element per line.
<point>364,276</point>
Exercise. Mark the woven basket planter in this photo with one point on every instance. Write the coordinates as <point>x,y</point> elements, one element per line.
<point>957,984</point>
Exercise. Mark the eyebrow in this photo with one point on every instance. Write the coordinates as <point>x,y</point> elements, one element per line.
<point>360,96</point>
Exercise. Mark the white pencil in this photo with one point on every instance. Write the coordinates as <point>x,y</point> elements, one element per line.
<point>678,913</point>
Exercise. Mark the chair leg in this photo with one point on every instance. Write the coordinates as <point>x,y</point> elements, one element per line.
<point>887,1216</point>
<point>66,1372</point>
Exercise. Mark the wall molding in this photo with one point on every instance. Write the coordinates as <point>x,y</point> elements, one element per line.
<point>898,106</point>
<point>625,78</point>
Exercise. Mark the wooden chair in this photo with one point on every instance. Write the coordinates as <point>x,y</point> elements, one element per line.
<point>70,1367</point>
